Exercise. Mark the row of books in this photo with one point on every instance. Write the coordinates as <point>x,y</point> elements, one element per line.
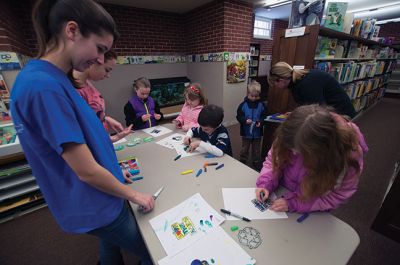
<point>364,87</point>
<point>330,48</point>
<point>364,102</point>
<point>351,71</point>
<point>365,28</point>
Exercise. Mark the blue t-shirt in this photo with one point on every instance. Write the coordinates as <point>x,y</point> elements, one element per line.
<point>47,113</point>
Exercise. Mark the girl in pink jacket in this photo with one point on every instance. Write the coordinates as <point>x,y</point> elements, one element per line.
<point>317,156</point>
<point>195,100</point>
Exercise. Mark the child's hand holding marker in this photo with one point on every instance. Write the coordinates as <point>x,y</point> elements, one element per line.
<point>193,145</point>
<point>262,194</point>
<point>186,140</point>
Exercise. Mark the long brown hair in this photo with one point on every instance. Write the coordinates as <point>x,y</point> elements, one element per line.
<point>325,145</point>
<point>282,70</point>
<point>49,17</point>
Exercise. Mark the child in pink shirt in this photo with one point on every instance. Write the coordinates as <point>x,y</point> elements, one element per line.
<point>317,156</point>
<point>195,100</point>
<point>82,82</point>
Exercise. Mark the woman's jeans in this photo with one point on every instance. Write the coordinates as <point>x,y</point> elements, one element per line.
<point>121,233</point>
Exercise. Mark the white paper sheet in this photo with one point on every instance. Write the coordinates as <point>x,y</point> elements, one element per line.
<point>238,200</point>
<point>215,248</point>
<point>120,141</point>
<point>171,140</point>
<point>180,149</point>
<point>157,131</point>
<point>184,224</point>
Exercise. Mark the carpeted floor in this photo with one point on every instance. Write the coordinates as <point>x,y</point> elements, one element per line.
<point>36,239</point>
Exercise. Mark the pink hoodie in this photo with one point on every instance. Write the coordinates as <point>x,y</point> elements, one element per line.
<point>188,116</point>
<point>294,173</point>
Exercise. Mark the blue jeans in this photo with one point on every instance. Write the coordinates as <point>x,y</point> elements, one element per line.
<point>121,233</point>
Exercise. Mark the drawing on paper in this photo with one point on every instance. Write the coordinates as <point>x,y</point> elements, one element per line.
<point>250,237</point>
<point>262,206</point>
<point>186,227</point>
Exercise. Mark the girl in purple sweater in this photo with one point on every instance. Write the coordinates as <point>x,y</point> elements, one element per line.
<point>317,156</point>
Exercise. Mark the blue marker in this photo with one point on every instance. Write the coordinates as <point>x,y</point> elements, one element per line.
<point>220,166</point>
<point>209,156</point>
<point>303,217</point>
<point>199,172</point>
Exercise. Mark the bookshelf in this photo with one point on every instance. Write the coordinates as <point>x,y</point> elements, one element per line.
<point>372,65</point>
<point>364,87</point>
<point>254,62</point>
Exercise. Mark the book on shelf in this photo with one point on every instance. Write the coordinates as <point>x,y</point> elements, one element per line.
<point>4,91</point>
<point>326,47</point>
<point>367,28</point>
<point>357,23</point>
<point>350,71</point>
<point>335,13</point>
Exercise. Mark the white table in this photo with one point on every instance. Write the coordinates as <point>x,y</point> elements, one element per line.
<point>320,239</point>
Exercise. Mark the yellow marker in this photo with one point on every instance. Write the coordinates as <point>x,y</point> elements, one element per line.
<point>187,172</point>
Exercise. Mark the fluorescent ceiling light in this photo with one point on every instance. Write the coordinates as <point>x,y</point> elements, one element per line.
<point>276,3</point>
<point>387,21</point>
<point>373,7</point>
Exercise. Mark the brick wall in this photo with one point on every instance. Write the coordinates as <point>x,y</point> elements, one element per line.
<point>16,32</point>
<point>390,30</point>
<point>238,26</point>
<point>266,45</point>
<point>204,28</point>
<point>221,25</point>
<point>147,32</point>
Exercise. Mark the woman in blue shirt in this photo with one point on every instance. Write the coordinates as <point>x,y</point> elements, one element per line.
<point>70,153</point>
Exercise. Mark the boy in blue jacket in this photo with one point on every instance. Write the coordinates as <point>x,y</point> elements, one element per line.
<point>251,114</point>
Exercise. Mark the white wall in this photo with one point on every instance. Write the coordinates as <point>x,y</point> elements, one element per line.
<point>233,95</point>
<point>117,89</point>
<point>208,74</point>
<point>212,76</point>
<point>264,68</point>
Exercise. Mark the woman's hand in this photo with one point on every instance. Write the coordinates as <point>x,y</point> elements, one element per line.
<point>127,176</point>
<point>122,134</point>
<point>145,201</point>
<point>280,205</point>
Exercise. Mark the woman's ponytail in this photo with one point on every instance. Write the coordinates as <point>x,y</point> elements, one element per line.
<point>40,19</point>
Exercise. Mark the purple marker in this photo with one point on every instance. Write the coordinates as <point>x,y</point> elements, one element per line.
<point>220,166</point>
<point>303,217</point>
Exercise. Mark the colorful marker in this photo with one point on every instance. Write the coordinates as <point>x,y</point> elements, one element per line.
<point>136,178</point>
<point>187,172</point>
<point>220,166</point>
<point>303,217</point>
<point>199,172</point>
<point>176,158</point>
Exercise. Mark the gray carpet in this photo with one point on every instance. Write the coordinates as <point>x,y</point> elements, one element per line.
<point>36,239</point>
